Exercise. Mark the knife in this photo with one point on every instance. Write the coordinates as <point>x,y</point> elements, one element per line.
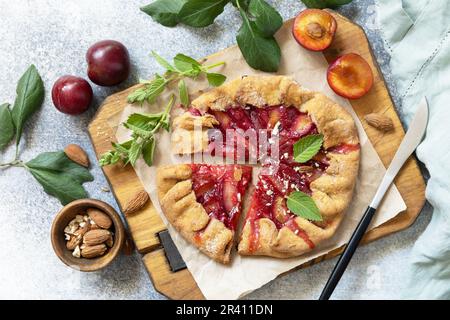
<point>409,143</point>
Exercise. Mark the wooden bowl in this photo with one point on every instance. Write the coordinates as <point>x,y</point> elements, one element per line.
<point>68,213</point>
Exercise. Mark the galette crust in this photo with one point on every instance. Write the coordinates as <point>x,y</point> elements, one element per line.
<point>179,204</point>
<point>332,191</point>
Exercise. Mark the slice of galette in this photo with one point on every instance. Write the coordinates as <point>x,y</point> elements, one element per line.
<point>288,113</point>
<point>203,203</point>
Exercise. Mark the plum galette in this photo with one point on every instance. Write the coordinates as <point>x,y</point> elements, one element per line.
<point>301,193</point>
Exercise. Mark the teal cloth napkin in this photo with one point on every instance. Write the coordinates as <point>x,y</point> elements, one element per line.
<point>416,33</point>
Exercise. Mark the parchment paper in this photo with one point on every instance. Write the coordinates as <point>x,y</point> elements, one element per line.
<point>246,274</point>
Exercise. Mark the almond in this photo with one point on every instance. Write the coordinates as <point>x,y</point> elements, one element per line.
<point>95,237</point>
<point>136,203</point>
<point>100,218</point>
<point>380,122</point>
<point>93,251</point>
<point>75,153</point>
<point>305,169</point>
<point>110,241</point>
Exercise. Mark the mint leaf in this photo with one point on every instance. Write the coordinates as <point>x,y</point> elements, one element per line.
<point>148,151</point>
<point>6,126</point>
<point>59,176</point>
<point>261,53</point>
<point>215,79</point>
<point>149,92</point>
<point>120,152</point>
<point>322,4</point>
<point>163,62</point>
<point>134,152</point>
<point>30,95</point>
<point>183,92</point>
<point>164,12</point>
<point>183,63</point>
<point>144,121</point>
<point>307,147</point>
<point>266,18</point>
<point>138,131</point>
<point>303,206</point>
<point>201,13</point>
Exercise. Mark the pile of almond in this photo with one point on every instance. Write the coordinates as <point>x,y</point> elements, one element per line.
<point>89,234</point>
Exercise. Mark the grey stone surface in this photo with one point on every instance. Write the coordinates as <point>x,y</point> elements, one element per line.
<point>54,35</point>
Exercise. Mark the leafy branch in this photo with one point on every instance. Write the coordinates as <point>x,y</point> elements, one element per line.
<point>255,37</point>
<point>59,176</point>
<point>143,140</point>
<point>182,67</point>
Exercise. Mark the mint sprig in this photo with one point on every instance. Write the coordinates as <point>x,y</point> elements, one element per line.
<point>303,206</point>
<point>143,140</point>
<point>183,67</point>
<point>307,147</point>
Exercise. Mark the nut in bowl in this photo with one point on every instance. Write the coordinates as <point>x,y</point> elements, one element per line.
<point>87,234</point>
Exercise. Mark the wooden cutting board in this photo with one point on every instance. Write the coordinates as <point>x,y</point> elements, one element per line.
<point>146,224</point>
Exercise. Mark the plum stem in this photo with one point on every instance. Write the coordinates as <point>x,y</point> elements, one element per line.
<point>14,163</point>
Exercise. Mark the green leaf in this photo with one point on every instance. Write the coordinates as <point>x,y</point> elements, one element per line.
<point>148,151</point>
<point>60,176</point>
<point>134,152</point>
<point>183,92</point>
<point>266,18</point>
<point>138,131</point>
<point>260,53</point>
<point>122,147</point>
<point>215,79</point>
<point>242,3</point>
<point>303,206</point>
<point>307,147</point>
<point>186,64</point>
<point>163,62</point>
<point>149,92</point>
<point>58,161</point>
<point>6,126</point>
<point>164,12</point>
<point>201,13</point>
<point>322,4</point>
<point>144,121</point>
<point>119,152</point>
<point>30,95</point>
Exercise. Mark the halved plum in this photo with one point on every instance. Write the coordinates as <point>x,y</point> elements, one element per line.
<point>350,76</point>
<point>220,189</point>
<point>303,124</point>
<point>314,29</point>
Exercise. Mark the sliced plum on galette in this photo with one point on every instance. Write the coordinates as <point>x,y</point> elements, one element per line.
<point>301,196</point>
<point>203,203</point>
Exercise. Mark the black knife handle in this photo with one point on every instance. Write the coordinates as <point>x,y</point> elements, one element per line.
<point>346,256</point>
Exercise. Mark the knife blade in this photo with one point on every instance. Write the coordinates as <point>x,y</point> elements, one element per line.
<point>409,143</point>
